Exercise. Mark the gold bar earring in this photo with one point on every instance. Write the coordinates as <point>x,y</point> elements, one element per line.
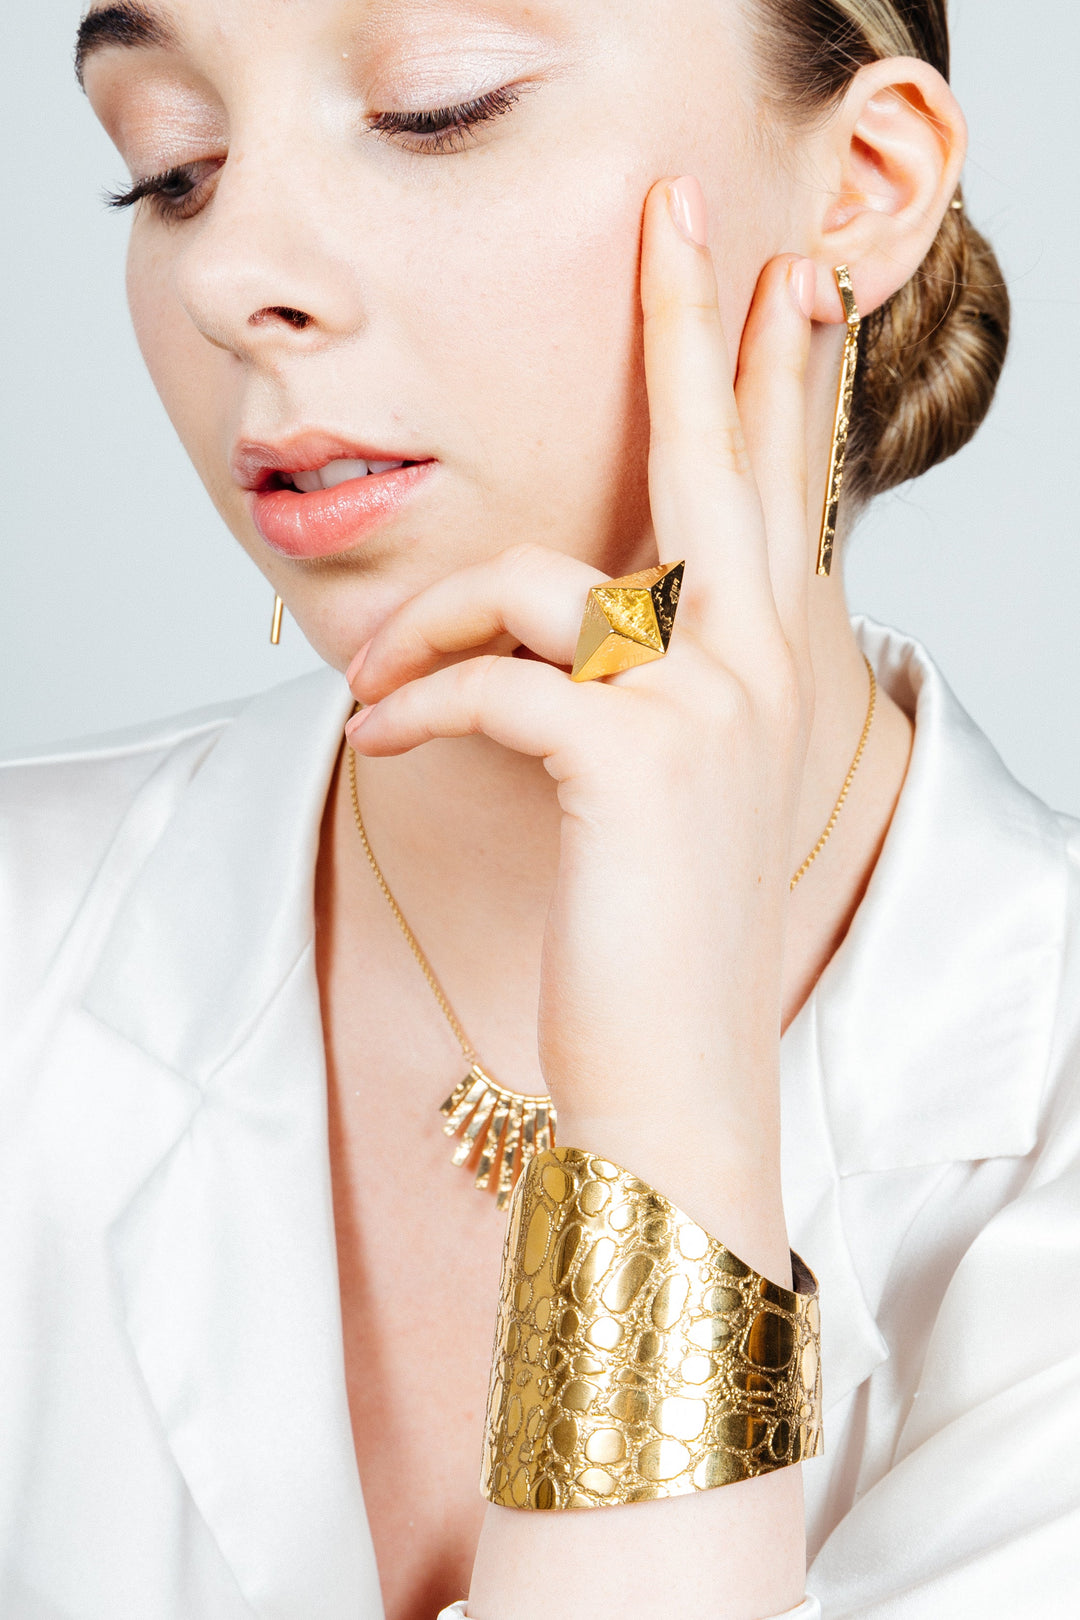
<point>275,628</point>
<point>842,421</point>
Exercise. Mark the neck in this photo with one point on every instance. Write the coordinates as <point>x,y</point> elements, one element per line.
<point>466,835</point>
<point>466,813</point>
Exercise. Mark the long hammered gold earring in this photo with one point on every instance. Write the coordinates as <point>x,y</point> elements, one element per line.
<point>842,421</point>
<point>275,628</point>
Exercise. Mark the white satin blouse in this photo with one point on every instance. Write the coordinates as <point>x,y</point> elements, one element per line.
<point>174,1431</point>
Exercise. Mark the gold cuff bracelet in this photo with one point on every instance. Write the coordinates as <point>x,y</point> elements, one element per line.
<point>635,1357</point>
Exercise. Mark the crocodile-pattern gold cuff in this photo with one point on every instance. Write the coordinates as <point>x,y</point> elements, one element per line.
<point>635,1357</point>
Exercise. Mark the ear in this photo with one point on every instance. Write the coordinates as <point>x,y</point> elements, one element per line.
<point>894,149</point>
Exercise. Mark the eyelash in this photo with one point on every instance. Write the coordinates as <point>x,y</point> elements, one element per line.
<point>444,129</point>
<point>162,190</point>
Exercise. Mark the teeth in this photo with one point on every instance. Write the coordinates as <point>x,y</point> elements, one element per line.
<point>339,472</point>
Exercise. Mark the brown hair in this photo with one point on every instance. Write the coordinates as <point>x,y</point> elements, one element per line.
<point>932,356</point>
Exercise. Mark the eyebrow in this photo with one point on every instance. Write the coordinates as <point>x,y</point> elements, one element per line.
<point>125,23</point>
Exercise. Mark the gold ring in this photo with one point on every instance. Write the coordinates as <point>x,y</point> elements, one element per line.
<point>627,622</point>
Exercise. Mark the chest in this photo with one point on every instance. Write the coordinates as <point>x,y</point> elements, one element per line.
<point>419,1252</point>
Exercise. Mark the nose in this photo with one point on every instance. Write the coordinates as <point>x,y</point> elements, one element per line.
<point>267,270</point>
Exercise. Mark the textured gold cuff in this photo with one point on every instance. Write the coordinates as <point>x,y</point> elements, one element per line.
<point>635,1357</point>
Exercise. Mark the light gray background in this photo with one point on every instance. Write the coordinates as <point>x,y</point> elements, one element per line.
<point>124,597</point>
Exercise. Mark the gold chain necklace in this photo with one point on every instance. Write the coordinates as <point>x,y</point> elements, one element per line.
<point>503,1129</point>
<point>830,825</point>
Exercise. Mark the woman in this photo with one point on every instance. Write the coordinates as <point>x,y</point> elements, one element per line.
<point>463,309</point>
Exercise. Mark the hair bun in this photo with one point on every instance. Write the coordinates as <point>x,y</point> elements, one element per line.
<point>930,362</point>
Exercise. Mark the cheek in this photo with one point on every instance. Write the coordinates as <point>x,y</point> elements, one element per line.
<point>534,297</point>
<point>190,375</point>
<point>539,355</point>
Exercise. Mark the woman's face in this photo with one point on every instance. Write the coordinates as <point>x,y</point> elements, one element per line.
<point>331,278</point>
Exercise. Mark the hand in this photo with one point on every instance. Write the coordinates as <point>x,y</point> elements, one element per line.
<point>678,781</point>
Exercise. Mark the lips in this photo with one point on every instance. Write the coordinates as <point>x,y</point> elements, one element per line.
<point>315,495</point>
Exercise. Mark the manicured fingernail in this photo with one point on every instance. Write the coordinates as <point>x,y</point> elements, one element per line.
<point>687,203</point>
<point>357,664</point>
<point>802,279</point>
<point>355,724</point>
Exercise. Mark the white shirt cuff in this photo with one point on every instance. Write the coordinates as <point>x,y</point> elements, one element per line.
<point>809,1610</point>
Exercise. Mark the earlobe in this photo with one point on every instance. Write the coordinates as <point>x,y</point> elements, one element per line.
<point>896,146</point>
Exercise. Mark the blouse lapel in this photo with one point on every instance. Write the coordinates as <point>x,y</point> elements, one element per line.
<point>937,1013</point>
<point>851,1342</point>
<point>225,1255</point>
<point>926,1040</point>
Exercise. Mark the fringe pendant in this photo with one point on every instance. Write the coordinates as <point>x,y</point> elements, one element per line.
<point>507,1128</point>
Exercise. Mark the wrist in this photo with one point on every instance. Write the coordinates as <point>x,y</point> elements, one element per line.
<point>726,1177</point>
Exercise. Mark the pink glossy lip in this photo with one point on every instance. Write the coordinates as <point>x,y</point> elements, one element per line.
<point>327,521</point>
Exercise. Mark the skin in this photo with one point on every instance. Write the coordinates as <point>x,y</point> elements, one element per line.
<point>528,311</point>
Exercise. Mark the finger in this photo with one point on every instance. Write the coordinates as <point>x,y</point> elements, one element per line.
<point>530,593</point>
<point>704,502</point>
<point>770,392</point>
<point>529,707</point>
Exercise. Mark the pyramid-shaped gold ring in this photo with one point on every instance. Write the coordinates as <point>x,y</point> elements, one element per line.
<point>627,622</point>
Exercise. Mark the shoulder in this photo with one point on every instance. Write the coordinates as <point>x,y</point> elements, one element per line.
<point>79,823</point>
<point>81,819</point>
<point>59,810</point>
<point>1069,830</point>
<point>1064,1066</point>
<point>84,788</point>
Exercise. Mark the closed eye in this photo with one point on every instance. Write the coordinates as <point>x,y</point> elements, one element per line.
<point>445,129</point>
<point>180,192</point>
<point>175,194</point>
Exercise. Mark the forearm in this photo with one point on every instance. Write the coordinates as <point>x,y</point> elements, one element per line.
<point>731,1554</point>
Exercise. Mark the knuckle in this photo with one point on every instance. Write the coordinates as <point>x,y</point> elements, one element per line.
<point>791,368</point>
<point>661,311</point>
<point>772,698</point>
<point>734,705</point>
<point>408,706</point>
<point>721,704</point>
<point>692,310</point>
<point>726,443</point>
<point>720,446</point>
<point>523,557</point>
<point>417,643</point>
<point>476,683</point>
